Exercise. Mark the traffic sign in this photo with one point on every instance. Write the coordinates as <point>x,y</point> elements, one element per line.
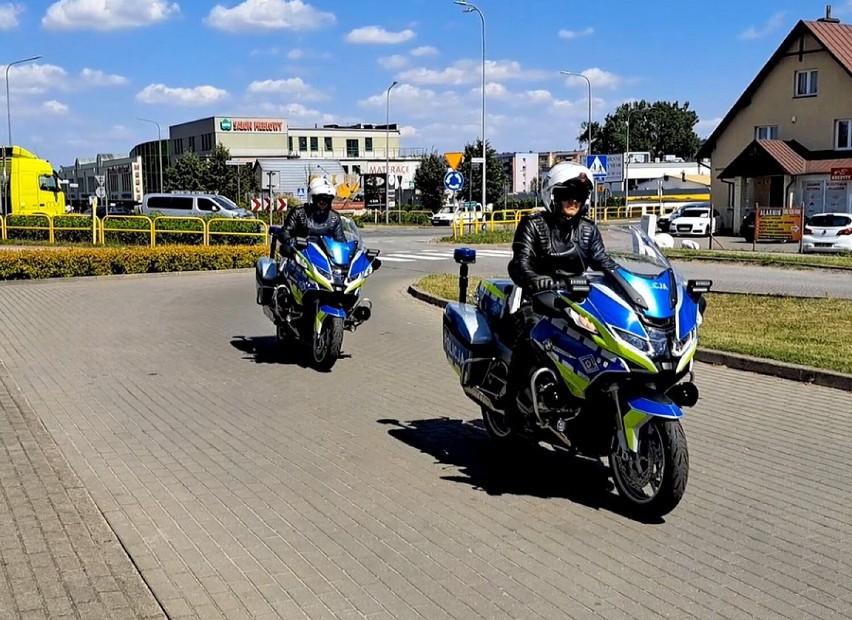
<point>100,192</point>
<point>597,164</point>
<point>453,180</point>
<point>100,178</point>
<point>614,168</point>
<point>453,159</point>
<point>301,193</point>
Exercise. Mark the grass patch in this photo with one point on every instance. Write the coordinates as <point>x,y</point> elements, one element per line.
<point>785,329</point>
<point>764,258</point>
<point>498,236</point>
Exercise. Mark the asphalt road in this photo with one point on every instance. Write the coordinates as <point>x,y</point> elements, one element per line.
<point>243,485</point>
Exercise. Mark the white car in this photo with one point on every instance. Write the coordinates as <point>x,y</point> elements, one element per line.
<point>696,221</point>
<point>451,214</point>
<point>828,232</point>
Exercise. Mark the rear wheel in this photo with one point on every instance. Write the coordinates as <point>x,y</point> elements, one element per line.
<point>656,484</point>
<point>327,343</point>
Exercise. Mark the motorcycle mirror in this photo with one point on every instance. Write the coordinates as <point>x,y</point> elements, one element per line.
<point>372,253</point>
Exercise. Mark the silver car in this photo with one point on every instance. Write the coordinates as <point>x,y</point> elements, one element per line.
<point>190,205</point>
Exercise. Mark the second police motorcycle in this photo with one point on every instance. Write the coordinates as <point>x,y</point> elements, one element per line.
<point>313,296</point>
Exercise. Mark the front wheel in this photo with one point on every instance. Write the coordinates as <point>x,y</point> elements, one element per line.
<point>327,343</point>
<point>656,484</point>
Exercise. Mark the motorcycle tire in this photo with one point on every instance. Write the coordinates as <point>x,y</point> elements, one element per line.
<point>663,451</point>
<point>327,344</point>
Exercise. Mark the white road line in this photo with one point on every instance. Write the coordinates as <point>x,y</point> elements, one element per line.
<point>417,256</point>
<point>391,259</point>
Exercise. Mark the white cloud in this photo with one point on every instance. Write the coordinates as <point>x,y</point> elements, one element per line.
<point>295,54</point>
<point>424,50</point>
<point>54,107</point>
<point>598,77</point>
<point>470,72</point>
<point>104,16</point>
<point>293,87</point>
<point>518,99</point>
<point>305,54</point>
<point>576,34</point>
<point>33,78</point>
<point>96,77</point>
<point>198,95</point>
<point>771,25</point>
<point>267,51</point>
<point>705,127</point>
<point>377,35</point>
<point>9,15</point>
<point>254,15</point>
<point>397,61</point>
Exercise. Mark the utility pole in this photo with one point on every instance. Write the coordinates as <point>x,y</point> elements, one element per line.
<point>270,174</point>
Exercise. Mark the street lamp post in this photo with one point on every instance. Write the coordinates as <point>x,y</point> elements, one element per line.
<point>627,153</point>
<point>387,155</point>
<point>9,122</point>
<point>472,8</point>
<point>159,148</point>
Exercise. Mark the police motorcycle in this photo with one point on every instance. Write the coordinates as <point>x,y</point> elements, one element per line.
<point>611,367</point>
<point>315,295</point>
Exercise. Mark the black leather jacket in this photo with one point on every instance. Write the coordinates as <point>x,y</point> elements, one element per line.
<point>544,245</point>
<point>307,221</point>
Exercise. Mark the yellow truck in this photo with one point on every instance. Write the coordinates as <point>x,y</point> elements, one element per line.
<point>28,185</point>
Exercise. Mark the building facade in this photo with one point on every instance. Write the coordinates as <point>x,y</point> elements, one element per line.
<point>122,180</point>
<point>788,139</point>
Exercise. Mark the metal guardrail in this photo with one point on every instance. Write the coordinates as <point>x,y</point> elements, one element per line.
<point>100,227</point>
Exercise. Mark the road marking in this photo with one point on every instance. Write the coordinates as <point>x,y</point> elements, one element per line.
<point>391,259</point>
<point>416,256</point>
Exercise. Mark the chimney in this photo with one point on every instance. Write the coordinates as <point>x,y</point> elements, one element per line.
<point>828,18</point>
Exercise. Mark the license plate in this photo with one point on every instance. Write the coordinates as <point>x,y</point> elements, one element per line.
<point>823,245</point>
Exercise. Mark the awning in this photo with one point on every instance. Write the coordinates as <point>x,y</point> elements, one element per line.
<point>766,158</point>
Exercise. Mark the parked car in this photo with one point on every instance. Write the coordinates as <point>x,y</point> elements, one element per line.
<point>191,205</point>
<point>450,214</point>
<point>696,221</point>
<point>828,232</point>
<point>664,221</point>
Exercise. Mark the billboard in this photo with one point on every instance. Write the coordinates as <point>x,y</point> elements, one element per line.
<point>375,191</point>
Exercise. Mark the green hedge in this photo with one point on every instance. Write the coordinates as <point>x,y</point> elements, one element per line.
<point>120,230</point>
<point>69,262</point>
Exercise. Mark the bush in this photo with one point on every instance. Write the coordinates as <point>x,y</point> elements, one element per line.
<point>218,229</point>
<point>70,262</point>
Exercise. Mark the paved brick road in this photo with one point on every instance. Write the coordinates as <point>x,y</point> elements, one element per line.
<point>246,486</point>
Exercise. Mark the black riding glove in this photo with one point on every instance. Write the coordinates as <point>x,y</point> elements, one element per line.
<point>541,283</point>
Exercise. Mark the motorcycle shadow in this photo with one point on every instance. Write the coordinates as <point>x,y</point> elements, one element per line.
<point>532,470</point>
<point>266,350</point>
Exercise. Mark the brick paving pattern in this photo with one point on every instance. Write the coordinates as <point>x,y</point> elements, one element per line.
<point>244,485</point>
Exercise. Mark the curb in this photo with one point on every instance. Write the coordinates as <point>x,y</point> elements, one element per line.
<point>737,361</point>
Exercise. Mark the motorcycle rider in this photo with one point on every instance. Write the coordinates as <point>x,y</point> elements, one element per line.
<point>315,218</point>
<point>549,246</point>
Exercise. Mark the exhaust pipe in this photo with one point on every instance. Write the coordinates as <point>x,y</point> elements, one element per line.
<point>361,313</point>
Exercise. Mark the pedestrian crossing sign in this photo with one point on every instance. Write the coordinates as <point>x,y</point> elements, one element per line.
<point>597,165</point>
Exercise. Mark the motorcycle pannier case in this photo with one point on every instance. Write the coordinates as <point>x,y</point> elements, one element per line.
<point>467,334</point>
<point>266,277</point>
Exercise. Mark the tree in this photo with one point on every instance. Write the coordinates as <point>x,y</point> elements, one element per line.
<point>495,176</point>
<point>662,128</point>
<point>211,175</point>
<point>429,181</point>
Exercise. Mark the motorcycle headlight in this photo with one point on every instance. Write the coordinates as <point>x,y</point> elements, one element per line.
<point>659,339</point>
<point>633,340</point>
<point>679,346</point>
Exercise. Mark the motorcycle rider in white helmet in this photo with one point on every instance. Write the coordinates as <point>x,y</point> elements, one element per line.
<point>315,218</point>
<point>548,246</point>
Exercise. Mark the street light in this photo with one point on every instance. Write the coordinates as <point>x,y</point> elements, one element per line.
<point>627,153</point>
<point>387,155</point>
<point>9,121</point>
<point>159,148</point>
<point>8,107</point>
<point>472,8</point>
<point>589,123</point>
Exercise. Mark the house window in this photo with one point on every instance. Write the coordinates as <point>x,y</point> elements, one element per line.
<point>290,143</point>
<point>352,148</point>
<point>303,143</point>
<point>328,144</point>
<point>766,132</point>
<point>806,83</point>
<point>843,134</point>
<point>368,144</point>
<point>314,143</point>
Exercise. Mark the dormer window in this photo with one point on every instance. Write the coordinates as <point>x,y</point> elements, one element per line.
<point>766,132</point>
<point>806,83</point>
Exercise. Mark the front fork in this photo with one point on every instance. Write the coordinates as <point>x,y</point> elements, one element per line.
<point>628,438</point>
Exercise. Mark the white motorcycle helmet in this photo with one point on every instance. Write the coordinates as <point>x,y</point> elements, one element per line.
<point>567,179</point>
<point>321,188</point>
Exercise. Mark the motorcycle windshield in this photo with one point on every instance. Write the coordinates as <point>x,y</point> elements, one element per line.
<point>340,252</point>
<point>644,272</point>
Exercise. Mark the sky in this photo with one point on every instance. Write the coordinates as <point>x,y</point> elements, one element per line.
<point>106,63</point>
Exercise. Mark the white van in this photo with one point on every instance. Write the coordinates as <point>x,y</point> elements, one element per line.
<point>468,212</point>
<point>190,205</point>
